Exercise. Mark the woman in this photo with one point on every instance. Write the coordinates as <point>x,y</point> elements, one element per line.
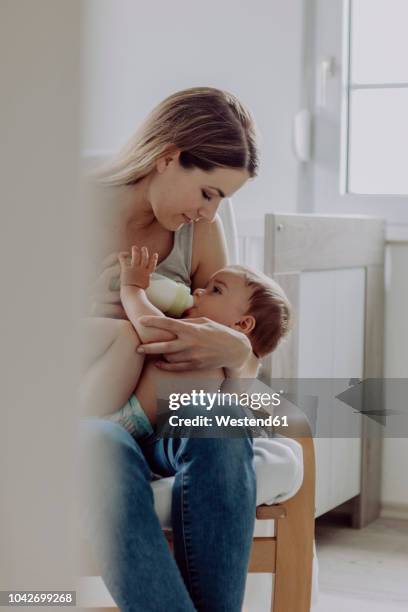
<point>196,147</point>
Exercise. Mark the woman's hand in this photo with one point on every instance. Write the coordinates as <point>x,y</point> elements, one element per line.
<point>104,301</point>
<point>200,343</point>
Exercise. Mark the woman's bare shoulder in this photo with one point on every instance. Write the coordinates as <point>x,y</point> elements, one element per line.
<point>209,251</point>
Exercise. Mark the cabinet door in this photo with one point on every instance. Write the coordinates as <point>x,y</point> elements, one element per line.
<point>315,320</point>
<point>331,345</point>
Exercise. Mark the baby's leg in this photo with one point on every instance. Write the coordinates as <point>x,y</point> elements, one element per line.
<point>110,365</point>
<point>159,384</point>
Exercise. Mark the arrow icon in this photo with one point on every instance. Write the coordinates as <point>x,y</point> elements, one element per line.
<point>368,397</point>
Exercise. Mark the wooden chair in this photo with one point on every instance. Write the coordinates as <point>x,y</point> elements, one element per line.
<point>289,553</point>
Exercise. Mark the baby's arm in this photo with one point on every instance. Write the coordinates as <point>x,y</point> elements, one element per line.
<point>134,279</point>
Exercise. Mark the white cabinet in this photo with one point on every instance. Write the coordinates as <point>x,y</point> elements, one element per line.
<point>332,269</point>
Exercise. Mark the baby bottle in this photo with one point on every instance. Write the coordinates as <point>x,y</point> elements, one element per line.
<point>167,295</point>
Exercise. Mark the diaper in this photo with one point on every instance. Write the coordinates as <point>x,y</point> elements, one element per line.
<point>133,418</point>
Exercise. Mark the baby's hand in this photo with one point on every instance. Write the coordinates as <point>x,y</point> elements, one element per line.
<point>138,271</point>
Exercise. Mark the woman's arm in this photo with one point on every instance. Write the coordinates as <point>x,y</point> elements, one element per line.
<point>99,249</point>
<point>210,252</point>
<point>102,301</point>
<point>248,369</point>
<point>201,344</point>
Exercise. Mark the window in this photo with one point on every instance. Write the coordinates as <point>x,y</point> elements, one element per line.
<point>375,98</point>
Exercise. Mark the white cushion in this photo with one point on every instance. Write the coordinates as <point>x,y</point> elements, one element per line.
<point>279,475</point>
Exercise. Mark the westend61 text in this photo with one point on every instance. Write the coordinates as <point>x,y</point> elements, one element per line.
<point>255,401</point>
<point>228,421</point>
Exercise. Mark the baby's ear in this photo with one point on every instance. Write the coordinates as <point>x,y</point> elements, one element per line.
<point>246,324</point>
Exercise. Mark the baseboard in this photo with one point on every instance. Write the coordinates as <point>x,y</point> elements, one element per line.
<point>394,511</point>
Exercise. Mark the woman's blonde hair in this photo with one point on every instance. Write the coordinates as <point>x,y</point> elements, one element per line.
<point>209,126</point>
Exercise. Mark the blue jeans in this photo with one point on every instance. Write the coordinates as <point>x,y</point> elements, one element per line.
<point>213,514</point>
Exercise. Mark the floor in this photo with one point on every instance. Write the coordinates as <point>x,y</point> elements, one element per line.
<point>362,570</point>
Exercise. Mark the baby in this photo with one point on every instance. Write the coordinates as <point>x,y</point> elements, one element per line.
<point>235,296</point>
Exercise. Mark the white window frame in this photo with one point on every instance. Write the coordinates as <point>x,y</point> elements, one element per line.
<point>347,88</point>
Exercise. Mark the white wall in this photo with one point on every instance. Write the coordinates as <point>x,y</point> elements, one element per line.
<point>136,53</point>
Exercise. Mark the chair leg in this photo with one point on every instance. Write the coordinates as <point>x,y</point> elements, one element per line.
<point>294,550</point>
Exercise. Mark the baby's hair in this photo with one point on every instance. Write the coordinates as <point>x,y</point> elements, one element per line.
<point>271,309</point>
